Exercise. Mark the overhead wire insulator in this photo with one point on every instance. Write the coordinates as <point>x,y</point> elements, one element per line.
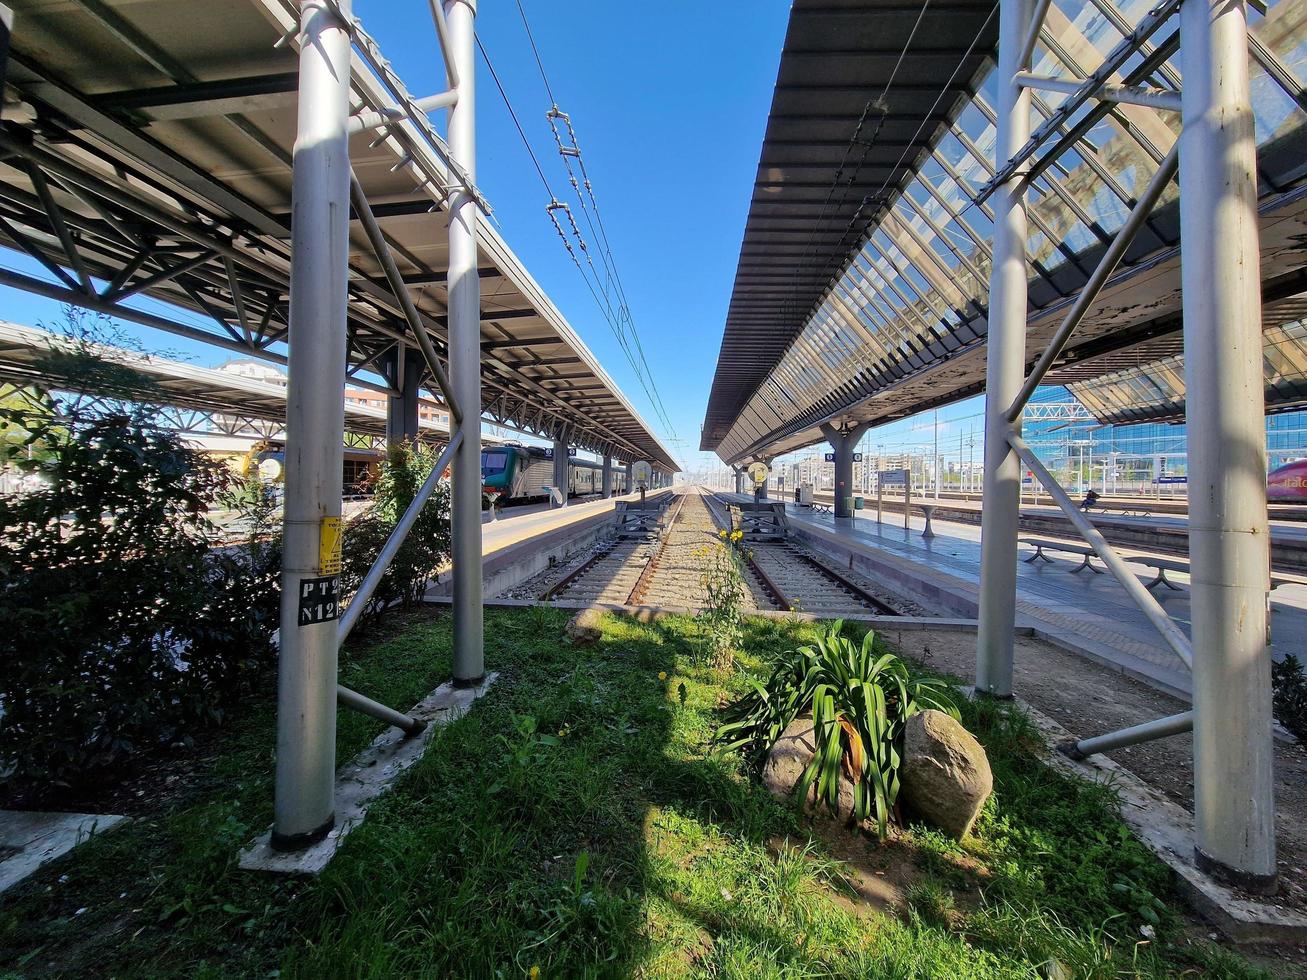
<point>571,148</point>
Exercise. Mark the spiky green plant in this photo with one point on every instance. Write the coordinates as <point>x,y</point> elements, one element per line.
<point>859,701</point>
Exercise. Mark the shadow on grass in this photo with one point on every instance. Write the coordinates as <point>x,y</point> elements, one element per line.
<point>573,821</point>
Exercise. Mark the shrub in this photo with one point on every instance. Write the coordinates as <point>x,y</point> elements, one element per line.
<point>123,629</point>
<point>858,700</point>
<point>1290,687</point>
<point>425,548</point>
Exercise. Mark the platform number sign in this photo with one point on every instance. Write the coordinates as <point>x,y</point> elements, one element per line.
<point>830,457</point>
<point>857,457</point>
<point>549,451</point>
<point>319,600</point>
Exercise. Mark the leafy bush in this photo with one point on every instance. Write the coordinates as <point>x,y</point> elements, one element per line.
<point>123,628</point>
<point>1290,687</point>
<point>425,548</point>
<point>858,700</point>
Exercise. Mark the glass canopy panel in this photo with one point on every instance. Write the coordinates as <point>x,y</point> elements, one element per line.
<point>922,273</point>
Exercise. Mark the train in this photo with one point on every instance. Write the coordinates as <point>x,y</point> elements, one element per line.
<point>267,460</point>
<point>510,473</point>
<point>1287,484</point>
<point>517,474</point>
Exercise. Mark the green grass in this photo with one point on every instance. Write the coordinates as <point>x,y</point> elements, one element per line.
<point>575,821</point>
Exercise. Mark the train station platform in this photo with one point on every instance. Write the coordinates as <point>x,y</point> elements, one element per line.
<point>1141,523</point>
<point>527,540</point>
<point>1087,613</point>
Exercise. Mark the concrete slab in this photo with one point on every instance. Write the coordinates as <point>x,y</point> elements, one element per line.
<point>1168,830</point>
<point>30,839</point>
<point>361,781</point>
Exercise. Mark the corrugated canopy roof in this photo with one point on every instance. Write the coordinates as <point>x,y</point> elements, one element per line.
<point>155,143</point>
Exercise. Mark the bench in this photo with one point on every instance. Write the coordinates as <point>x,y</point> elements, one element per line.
<point>1042,544</point>
<point>820,508</point>
<point>1163,565</point>
<point>1125,510</point>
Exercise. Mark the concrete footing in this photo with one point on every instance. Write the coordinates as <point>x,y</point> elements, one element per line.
<point>361,781</point>
<point>30,839</point>
<point>1168,830</point>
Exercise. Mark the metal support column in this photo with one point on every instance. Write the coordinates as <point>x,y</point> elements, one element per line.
<point>762,490</point>
<point>606,478</point>
<point>1225,410</point>
<point>315,424</point>
<point>630,477</point>
<point>402,409</point>
<point>560,471</point>
<point>739,481</point>
<point>844,441</point>
<point>465,355</point>
<point>1006,350</point>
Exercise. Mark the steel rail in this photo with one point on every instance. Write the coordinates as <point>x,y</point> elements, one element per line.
<point>651,566</point>
<point>1134,735</point>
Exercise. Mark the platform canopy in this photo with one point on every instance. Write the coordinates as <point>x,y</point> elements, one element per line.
<point>146,154</point>
<point>862,287</point>
<point>28,359</point>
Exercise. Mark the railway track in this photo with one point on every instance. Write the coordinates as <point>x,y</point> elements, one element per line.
<point>794,579</point>
<point>669,571</point>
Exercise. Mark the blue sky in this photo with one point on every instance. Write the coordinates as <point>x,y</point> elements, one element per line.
<point>669,102</point>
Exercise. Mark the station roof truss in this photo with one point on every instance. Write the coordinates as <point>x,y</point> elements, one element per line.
<point>861,292</point>
<point>191,400</point>
<point>147,154</point>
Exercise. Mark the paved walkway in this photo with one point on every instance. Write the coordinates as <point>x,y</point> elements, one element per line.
<point>1092,607</point>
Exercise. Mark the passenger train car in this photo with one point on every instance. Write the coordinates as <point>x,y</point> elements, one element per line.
<point>267,459</point>
<point>1287,484</point>
<point>515,474</point>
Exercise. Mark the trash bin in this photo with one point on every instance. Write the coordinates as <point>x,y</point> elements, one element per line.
<point>857,503</point>
<point>848,503</point>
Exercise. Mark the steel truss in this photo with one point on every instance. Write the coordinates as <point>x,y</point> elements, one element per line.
<point>1231,719</point>
<point>114,216</point>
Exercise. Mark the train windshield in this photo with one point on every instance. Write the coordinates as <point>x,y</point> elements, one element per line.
<point>493,461</point>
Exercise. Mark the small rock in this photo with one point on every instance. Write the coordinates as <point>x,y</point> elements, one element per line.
<point>790,756</point>
<point>945,772</point>
<point>1147,931</point>
<point>583,628</point>
<point>81,911</point>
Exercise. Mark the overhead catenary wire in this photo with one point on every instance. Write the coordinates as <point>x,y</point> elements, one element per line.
<point>624,324</point>
<point>593,281</point>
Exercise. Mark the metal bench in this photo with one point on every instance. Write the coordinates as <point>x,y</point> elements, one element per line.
<point>1043,544</point>
<point>1164,565</point>
<point>1125,510</point>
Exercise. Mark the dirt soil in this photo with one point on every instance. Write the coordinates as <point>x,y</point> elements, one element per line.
<point>1088,699</point>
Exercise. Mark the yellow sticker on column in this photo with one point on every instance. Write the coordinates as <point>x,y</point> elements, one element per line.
<point>329,546</point>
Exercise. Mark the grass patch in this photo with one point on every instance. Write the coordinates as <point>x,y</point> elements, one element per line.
<point>575,821</point>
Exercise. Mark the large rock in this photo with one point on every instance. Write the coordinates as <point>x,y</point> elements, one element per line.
<point>945,773</point>
<point>583,628</point>
<point>787,760</point>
